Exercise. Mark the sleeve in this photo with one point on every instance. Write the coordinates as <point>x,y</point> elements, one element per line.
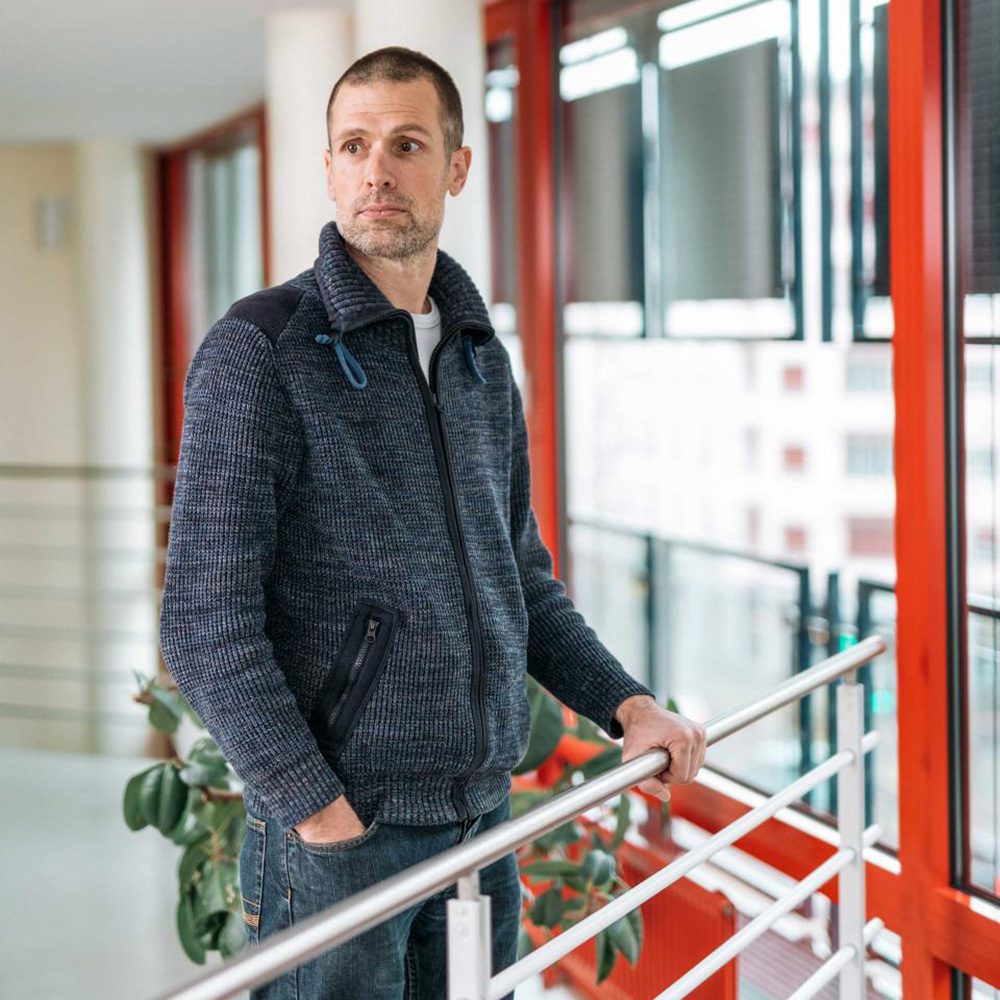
<point>564,653</point>
<point>240,448</point>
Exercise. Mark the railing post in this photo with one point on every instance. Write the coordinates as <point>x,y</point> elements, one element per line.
<point>850,823</point>
<point>470,942</point>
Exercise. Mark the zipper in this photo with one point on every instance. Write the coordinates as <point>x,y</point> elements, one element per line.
<point>438,438</point>
<point>344,694</point>
<point>366,647</point>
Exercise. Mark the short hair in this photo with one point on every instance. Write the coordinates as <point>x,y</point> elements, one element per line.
<point>397,64</point>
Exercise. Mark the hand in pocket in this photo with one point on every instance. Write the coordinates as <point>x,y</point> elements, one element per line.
<point>333,823</point>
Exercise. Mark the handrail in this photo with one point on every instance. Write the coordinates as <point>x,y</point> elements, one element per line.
<point>294,945</point>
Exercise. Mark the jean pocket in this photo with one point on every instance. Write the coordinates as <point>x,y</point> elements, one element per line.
<point>352,678</point>
<point>251,869</point>
<point>336,846</point>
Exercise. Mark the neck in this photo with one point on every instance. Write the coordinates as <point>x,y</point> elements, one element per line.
<point>403,282</point>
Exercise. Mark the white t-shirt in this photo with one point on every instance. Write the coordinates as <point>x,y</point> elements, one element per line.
<point>427,327</point>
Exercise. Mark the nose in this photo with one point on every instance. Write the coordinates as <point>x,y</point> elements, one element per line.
<point>378,174</point>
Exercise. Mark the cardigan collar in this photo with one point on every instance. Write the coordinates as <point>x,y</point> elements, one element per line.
<point>353,300</point>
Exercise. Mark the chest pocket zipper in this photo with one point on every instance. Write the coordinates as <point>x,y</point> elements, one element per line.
<point>352,679</point>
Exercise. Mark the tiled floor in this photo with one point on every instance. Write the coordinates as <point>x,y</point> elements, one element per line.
<point>89,905</point>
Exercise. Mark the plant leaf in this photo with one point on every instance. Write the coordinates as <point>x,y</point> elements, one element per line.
<point>135,818</point>
<point>550,869</point>
<point>173,797</point>
<point>634,917</point>
<point>186,930</point>
<point>546,728</point>
<point>623,937</point>
<point>548,909</point>
<point>603,761</point>
<point>605,956</point>
<point>233,936</point>
<point>599,869</point>
<point>568,833</point>
<point>622,815</point>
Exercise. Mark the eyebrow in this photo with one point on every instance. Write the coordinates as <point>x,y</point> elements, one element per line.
<point>410,127</point>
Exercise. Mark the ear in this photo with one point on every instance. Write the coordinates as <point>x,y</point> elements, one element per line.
<point>458,170</point>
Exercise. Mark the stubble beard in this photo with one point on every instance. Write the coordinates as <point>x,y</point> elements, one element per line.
<point>391,239</point>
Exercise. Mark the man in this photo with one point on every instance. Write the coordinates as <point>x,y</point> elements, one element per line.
<point>355,583</point>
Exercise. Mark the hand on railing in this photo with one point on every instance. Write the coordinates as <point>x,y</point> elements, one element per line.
<point>648,726</point>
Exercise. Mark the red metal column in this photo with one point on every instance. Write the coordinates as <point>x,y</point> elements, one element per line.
<point>527,22</point>
<point>917,266</point>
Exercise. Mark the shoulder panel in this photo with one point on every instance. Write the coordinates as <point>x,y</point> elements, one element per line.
<point>269,310</point>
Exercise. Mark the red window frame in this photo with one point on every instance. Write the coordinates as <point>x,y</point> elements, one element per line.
<point>940,926</point>
<point>172,197</point>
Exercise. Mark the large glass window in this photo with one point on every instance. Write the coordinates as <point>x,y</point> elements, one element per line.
<point>225,243</point>
<point>501,89</point>
<point>728,450</point>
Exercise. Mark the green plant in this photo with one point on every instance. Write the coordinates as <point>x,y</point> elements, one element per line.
<point>197,804</point>
<point>578,874</point>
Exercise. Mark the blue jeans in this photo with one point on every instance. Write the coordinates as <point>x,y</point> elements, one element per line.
<point>283,880</point>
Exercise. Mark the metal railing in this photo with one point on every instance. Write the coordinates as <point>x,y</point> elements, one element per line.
<point>81,556</point>
<point>469,973</point>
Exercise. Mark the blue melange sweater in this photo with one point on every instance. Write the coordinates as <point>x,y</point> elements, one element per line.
<point>355,582</point>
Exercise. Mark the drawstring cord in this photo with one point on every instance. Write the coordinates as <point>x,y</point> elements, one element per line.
<point>348,362</point>
<point>470,359</point>
<point>355,374</point>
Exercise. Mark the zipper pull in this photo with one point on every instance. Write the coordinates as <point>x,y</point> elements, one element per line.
<point>373,626</point>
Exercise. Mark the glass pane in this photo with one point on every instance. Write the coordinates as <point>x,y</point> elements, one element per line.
<point>610,573</point>
<point>983,991</point>
<point>728,173</point>
<point>872,306</point>
<point>727,627</point>
<point>755,470</point>
<point>979,259</point>
<point>501,126</point>
<point>225,243</point>
<point>877,615</point>
<point>602,185</point>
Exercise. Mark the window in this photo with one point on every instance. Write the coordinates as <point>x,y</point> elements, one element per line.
<point>793,458</point>
<point>869,455</point>
<point>795,539</point>
<point>864,375</point>
<point>793,378</point>
<point>870,536</point>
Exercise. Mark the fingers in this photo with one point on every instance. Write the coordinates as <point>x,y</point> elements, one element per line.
<point>687,756</point>
<point>657,788</point>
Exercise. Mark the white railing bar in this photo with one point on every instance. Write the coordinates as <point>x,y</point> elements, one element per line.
<point>562,944</point>
<point>291,946</point>
<point>796,687</point>
<point>764,920</point>
<point>828,971</point>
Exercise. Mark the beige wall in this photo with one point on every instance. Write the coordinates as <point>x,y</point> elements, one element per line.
<point>76,389</point>
<point>42,338</point>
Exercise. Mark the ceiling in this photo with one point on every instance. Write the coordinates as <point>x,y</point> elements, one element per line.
<point>153,71</point>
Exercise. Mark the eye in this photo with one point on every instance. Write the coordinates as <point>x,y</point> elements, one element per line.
<point>410,142</point>
<point>350,143</point>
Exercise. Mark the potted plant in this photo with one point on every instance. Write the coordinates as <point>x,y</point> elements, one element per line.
<point>195,801</point>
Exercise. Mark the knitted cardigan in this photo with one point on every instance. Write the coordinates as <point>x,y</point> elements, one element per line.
<point>355,583</point>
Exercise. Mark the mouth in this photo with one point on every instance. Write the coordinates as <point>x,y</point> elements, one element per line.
<point>381,212</point>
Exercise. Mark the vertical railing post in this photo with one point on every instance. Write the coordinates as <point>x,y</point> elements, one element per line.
<point>850,823</point>
<point>469,942</point>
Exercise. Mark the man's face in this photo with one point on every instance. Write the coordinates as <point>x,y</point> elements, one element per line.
<point>387,148</point>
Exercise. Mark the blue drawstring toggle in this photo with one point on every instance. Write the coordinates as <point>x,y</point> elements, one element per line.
<point>350,366</point>
<point>324,338</point>
<point>470,359</point>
